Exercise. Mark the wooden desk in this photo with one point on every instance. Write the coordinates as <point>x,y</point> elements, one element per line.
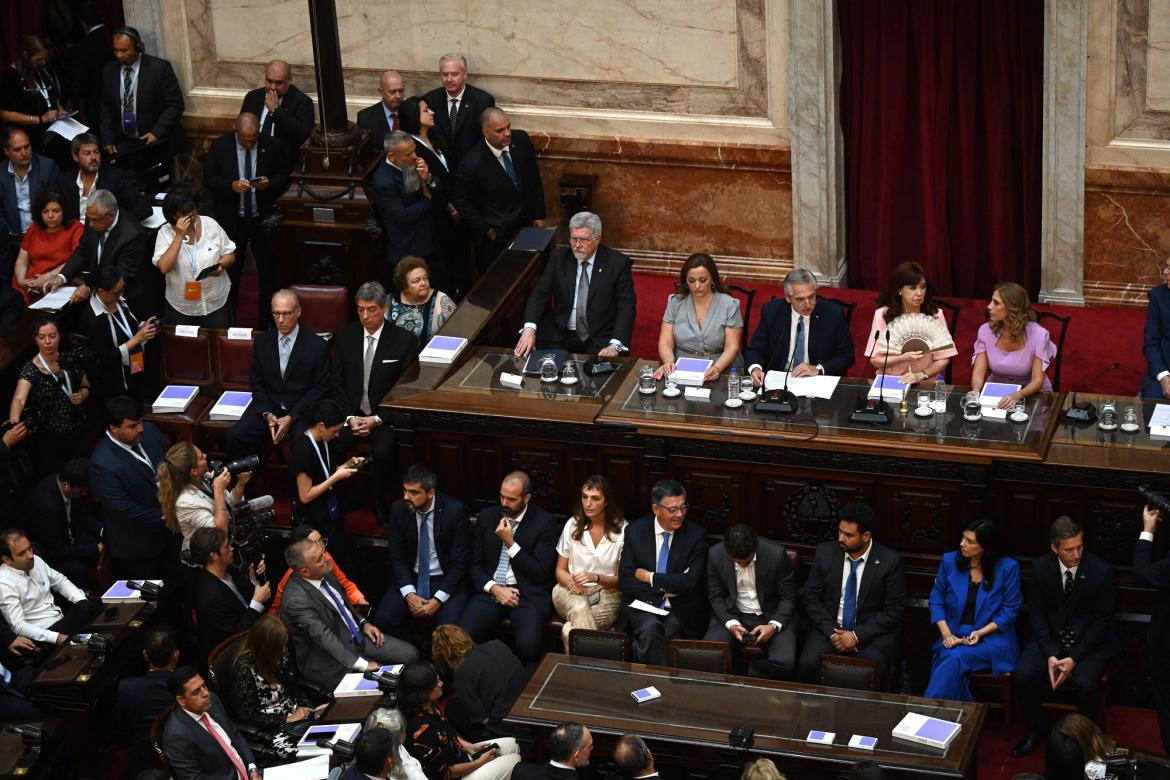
<point>689,725</point>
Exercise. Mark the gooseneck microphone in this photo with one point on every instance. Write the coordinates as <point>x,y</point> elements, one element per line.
<point>1085,411</point>
<point>874,410</point>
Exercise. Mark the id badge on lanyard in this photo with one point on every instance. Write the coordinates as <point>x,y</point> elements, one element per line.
<point>331,501</point>
<point>192,290</point>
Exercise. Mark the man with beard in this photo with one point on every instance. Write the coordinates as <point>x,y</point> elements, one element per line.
<point>401,189</point>
<point>90,174</point>
<point>593,297</point>
<point>854,596</point>
<point>513,559</point>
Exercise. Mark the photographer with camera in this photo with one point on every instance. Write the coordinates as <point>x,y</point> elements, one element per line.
<point>1156,574</point>
<point>123,354</point>
<point>192,497</point>
<point>227,598</point>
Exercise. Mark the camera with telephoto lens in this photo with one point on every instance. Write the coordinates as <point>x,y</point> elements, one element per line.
<point>247,525</point>
<point>234,467</point>
<point>1155,500</point>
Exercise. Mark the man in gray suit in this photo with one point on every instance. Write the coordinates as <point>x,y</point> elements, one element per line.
<point>328,636</point>
<point>753,599</point>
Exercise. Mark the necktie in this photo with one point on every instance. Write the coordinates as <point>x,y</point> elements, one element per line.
<point>393,120</point>
<point>849,613</point>
<point>247,175</point>
<point>424,557</point>
<point>453,112</point>
<point>502,567</point>
<point>663,557</point>
<point>5,675</point>
<point>69,520</point>
<point>228,750</point>
<point>101,245</point>
<point>285,349</point>
<point>509,168</point>
<point>367,372</point>
<point>798,351</point>
<point>269,125</point>
<point>582,301</point>
<point>1068,581</point>
<point>127,89</point>
<point>352,626</point>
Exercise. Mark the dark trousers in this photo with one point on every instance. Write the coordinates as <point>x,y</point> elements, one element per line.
<point>1160,682</point>
<point>651,634</point>
<point>384,471</point>
<point>394,618</point>
<point>816,643</point>
<point>1030,679</point>
<point>250,435</point>
<point>15,707</point>
<point>570,343</point>
<point>780,662</point>
<point>484,613</point>
<point>78,617</point>
<point>252,232</point>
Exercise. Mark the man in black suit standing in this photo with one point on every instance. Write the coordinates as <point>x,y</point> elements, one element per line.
<point>497,186</point>
<point>663,566</point>
<point>142,699</point>
<point>401,189</point>
<point>569,747</point>
<point>142,101</point>
<point>1156,574</point>
<point>429,539</point>
<point>1072,598</point>
<point>199,739</point>
<point>458,107</point>
<point>382,117</point>
<point>814,332</point>
<point>753,599</point>
<point>513,558</point>
<point>226,602</point>
<point>368,358</point>
<point>90,56</point>
<point>246,173</point>
<point>854,596</point>
<point>62,523</point>
<point>592,293</point>
<point>79,182</point>
<point>290,372</point>
<point>284,111</point>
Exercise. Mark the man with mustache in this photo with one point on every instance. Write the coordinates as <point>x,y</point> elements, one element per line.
<point>401,189</point>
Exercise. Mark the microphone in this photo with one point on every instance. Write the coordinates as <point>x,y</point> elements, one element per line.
<point>257,504</point>
<point>779,401</point>
<point>1085,411</point>
<point>874,409</point>
<point>29,733</point>
<point>149,590</point>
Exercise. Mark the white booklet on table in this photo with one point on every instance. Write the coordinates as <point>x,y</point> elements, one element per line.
<point>802,386</point>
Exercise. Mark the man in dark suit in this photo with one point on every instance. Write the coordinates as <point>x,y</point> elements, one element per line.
<point>569,747</point>
<point>90,56</point>
<point>382,117</point>
<point>122,474</point>
<point>401,190</point>
<point>142,699</point>
<point>226,602</point>
<point>1156,574</point>
<point>375,754</point>
<point>458,107</point>
<point>1156,340</point>
<point>814,332</point>
<point>24,175</point>
<point>284,111</point>
<point>592,292</point>
<point>328,637</point>
<point>1072,598</point>
<point>142,101</point>
<point>497,186</point>
<point>15,706</point>
<point>290,372</point>
<point>247,172</point>
<point>61,521</point>
<point>79,182</point>
<point>513,558</point>
<point>429,578</point>
<point>854,596</point>
<point>199,739</point>
<point>125,354</point>
<point>663,565</point>
<point>368,358</point>
<point>753,599</point>
<point>633,758</point>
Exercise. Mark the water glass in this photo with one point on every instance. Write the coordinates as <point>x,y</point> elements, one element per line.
<point>1129,420</point>
<point>548,369</point>
<point>646,382</point>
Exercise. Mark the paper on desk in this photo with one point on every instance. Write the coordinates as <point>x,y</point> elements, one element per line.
<point>155,220</point>
<point>68,128</point>
<point>642,605</point>
<point>802,386</point>
<point>54,300</point>
<point>1160,420</point>
<point>316,768</point>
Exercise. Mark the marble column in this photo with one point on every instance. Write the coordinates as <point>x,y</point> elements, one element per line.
<point>146,16</point>
<point>818,169</point>
<point>1063,173</point>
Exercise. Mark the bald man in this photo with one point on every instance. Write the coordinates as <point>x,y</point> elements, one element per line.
<point>246,172</point>
<point>382,117</point>
<point>284,111</point>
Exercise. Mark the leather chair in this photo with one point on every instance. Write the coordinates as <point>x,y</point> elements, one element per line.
<point>220,661</point>
<point>699,655</point>
<point>611,645</point>
<point>233,362</point>
<point>955,309</point>
<point>846,671</point>
<point>749,301</point>
<point>156,731</point>
<point>324,308</point>
<point>186,361</point>
<point>1062,322</point>
<point>995,690</point>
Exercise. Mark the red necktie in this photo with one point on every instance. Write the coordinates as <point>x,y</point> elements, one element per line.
<point>393,120</point>
<point>230,752</point>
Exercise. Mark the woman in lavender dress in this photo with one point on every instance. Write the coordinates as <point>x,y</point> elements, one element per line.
<point>1011,347</point>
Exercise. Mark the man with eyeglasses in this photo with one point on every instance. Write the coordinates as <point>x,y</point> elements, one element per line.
<point>661,575</point>
<point>351,589</point>
<point>1156,341</point>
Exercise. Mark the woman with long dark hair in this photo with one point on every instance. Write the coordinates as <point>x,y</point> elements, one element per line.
<point>263,689</point>
<point>30,93</point>
<point>907,292</point>
<point>47,244</point>
<point>702,320</point>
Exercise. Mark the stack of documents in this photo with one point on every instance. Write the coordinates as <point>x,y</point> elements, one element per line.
<point>442,350</point>
<point>925,730</point>
<point>55,300</point>
<point>689,372</point>
<point>888,388</point>
<point>990,397</point>
<point>1160,420</point>
<point>174,399</point>
<point>802,386</point>
<point>230,406</point>
<point>356,684</point>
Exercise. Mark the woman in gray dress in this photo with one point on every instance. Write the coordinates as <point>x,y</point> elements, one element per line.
<point>701,321</point>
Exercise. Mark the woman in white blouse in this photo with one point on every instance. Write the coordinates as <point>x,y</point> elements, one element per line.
<point>185,247</point>
<point>186,504</point>
<point>586,594</point>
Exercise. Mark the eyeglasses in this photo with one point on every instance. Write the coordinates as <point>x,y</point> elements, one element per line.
<point>280,315</point>
<point>324,541</point>
<point>586,240</point>
<point>681,509</point>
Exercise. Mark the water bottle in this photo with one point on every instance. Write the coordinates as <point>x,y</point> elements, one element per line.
<point>733,383</point>
<point>940,394</point>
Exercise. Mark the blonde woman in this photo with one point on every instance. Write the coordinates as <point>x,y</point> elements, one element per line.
<point>1011,347</point>
<point>186,503</point>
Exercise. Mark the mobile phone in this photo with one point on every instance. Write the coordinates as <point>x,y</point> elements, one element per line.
<point>483,750</point>
<point>256,179</point>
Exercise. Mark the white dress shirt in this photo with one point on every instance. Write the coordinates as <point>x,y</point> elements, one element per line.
<point>845,578</point>
<point>27,599</point>
<point>585,556</point>
<point>213,245</point>
<point>435,567</point>
<point>360,664</point>
<point>23,196</point>
<point>122,85</point>
<point>513,551</point>
<point>219,730</point>
<point>120,330</point>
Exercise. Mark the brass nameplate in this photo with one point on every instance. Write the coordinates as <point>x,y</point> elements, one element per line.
<point>323,215</point>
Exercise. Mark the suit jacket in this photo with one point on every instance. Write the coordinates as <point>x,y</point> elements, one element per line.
<point>108,374</point>
<point>396,350</point>
<point>62,538</point>
<point>129,495</point>
<point>90,58</point>
<point>111,178</point>
<point>467,132</point>
<point>1088,613</point>
<point>195,754</point>
<point>158,100</point>
<point>221,168</point>
<point>611,307</point>
<point>775,583</point>
<point>373,118</point>
<point>405,216</point>
<point>530,771</point>
<point>219,612</point>
<point>305,380</point>
<point>323,646</point>
<point>293,119</point>
<point>685,571</point>
<point>140,700</point>
<point>487,198</point>
<point>881,594</point>
<point>125,245</point>
<point>535,564</point>
<point>1156,341</point>
<point>829,342</point>
<point>42,174</point>
<point>999,605</point>
<point>452,533</point>
<point>1154,574</point>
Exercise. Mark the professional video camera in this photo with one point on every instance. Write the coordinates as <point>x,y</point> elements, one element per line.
<point>247,521</point>
<point>1155,500</point>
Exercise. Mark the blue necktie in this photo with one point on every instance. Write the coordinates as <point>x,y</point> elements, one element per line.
<point>849,612</point>
<point>352,626</point>
<point>424,557</point>
<point>798,352</point>
<point>502,567</point>
<point>663,556</point>
<point>509,168</point>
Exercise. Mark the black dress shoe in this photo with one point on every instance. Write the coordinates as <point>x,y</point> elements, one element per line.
<point>1028,744</point>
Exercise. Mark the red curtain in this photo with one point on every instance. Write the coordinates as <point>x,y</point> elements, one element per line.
<point>17,20</point>
<point>941,115</point>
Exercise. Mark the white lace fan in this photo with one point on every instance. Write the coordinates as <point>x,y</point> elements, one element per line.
<point>918,332</point>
